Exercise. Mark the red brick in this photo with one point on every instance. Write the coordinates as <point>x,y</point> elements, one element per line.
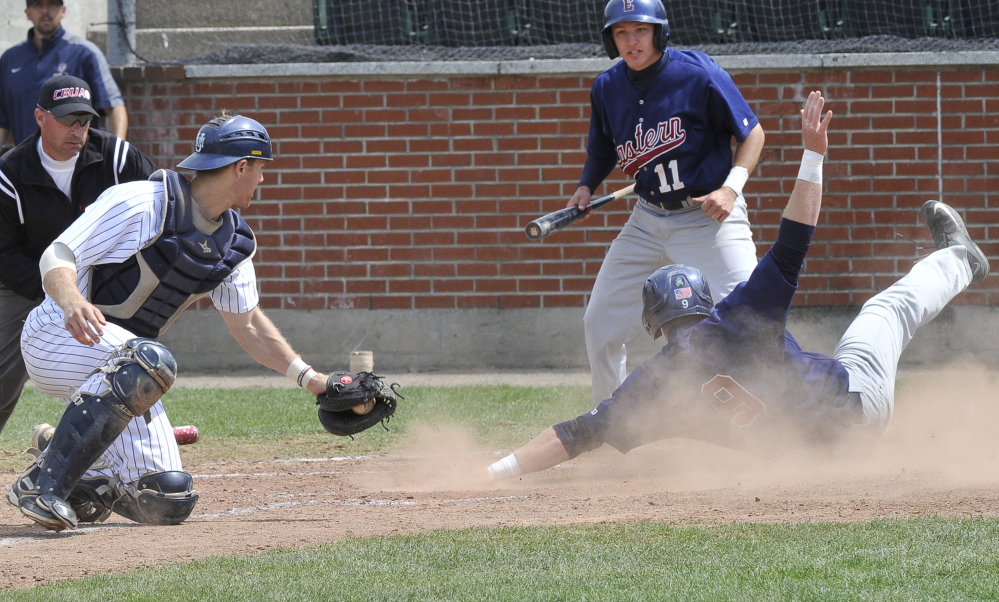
<point>397,302</point>
<point>355,101</point>
<point>519,301</point>
<point>562,300</point>
<point>366,255</point>
<point>476,269</point>
<point>408,161</point>
<point>474,145</point>
<point>364,130</point>
<point>384,116</point>
<point>434,302</point>
<point>451,159</point>
<point>390,271</point>
<point>478,301</point>
<point>360,162</point>
<point>355,287</point>
<point>452,285</point>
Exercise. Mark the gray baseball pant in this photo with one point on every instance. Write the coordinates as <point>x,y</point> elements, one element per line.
<point>13,310</point>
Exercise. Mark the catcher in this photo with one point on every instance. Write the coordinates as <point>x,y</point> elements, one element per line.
<point>115,280</point>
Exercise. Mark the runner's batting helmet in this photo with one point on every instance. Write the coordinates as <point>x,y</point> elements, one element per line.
<point>643,11</point>
<point>673,292</point>
<point>228,139</point>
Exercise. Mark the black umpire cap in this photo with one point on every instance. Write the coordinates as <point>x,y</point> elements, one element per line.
<point>64,94</point>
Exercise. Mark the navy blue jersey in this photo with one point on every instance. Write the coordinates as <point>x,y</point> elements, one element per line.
<point>738,371</point>
<point>23,70</point>
<point>675,137</point>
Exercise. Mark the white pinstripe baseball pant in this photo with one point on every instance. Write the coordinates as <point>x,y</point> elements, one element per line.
<point>59,366</point>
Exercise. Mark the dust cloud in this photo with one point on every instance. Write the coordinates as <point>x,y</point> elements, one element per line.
<point>944,431</point>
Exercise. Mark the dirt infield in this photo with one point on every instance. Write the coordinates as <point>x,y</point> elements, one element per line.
<point>939,458</point>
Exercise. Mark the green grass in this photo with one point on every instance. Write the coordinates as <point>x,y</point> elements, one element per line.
<point>920,559</point>
<point>260,424</point>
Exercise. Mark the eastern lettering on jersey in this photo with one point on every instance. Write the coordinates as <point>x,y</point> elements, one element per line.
<point>71,92</point>
<point>649,144</point>
<point>682,293</point>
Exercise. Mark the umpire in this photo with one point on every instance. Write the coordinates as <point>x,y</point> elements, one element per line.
<point>46,182</point>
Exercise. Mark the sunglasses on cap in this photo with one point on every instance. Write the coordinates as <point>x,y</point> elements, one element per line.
<point>72,119</point>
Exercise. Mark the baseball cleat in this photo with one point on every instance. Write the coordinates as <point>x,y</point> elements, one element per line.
<point>41,436</point>
<point>47,510</point>
<point>948,229</point>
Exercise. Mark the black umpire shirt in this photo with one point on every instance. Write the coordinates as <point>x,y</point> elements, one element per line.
<point>33,211</point>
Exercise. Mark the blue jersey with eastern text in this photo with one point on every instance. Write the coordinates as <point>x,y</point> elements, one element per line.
<point>675,137</point>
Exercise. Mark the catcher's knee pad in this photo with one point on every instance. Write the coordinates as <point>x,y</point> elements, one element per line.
<point>576,436</point>
<point>144,373</point>
<point>158,498</point>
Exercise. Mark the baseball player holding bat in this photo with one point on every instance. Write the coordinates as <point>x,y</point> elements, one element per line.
<point>667,118</point>
<point>731,373</point>
<point>114,281</point>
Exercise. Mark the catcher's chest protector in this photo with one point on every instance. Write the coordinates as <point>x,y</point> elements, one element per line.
<point>189,258</point>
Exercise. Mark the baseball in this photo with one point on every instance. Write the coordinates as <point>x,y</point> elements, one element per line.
<point>365,407</point>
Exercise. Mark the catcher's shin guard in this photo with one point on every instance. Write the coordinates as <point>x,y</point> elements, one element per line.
<point>145,372</point>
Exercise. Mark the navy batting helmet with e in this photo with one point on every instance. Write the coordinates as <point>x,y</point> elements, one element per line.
<point>642,11</point>
<point>673,292</point>
<point>228,139</point>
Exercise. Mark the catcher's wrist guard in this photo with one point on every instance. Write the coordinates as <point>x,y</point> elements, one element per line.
<point>300,372</point>
<point>345,391</point>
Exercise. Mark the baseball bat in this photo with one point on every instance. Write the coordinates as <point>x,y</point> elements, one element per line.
<point>556,220</point>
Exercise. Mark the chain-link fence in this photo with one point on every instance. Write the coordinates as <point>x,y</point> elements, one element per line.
<point>276,31</point>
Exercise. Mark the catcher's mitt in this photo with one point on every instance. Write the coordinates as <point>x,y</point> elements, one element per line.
<point>345,391</point>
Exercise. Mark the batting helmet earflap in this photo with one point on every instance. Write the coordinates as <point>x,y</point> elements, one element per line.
<point>227,139</point>
<point>673,292</point>
<point>643,11</point>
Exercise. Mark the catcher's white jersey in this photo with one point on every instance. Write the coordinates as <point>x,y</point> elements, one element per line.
<point>124,220</point>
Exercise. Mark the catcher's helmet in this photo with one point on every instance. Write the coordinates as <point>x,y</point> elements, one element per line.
<point>673,292</point>
<point>228,139</point>
<point>643,11</point>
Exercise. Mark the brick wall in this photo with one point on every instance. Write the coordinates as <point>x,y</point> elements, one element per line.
<point>412,192</point>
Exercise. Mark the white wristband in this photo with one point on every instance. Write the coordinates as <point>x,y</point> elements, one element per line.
<point>299,372</point>
<point>811,167</point>
<point>505,468</point>
<point>736,179</point>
